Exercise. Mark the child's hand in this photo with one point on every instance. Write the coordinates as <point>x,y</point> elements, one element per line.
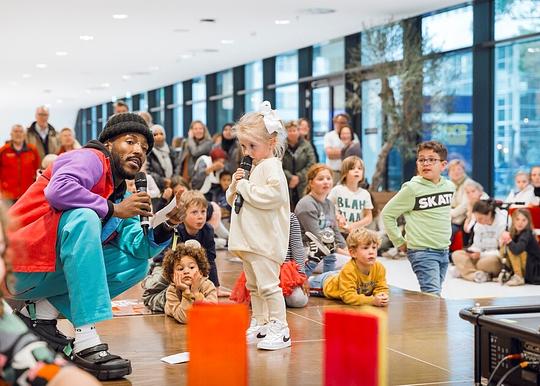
<point>403,248</point>
<point>196,283</point>
<point>167,194</point>
<point>380,300</point>
<point>238,174</point>
<point>177,281</point>
<point>505,238</point>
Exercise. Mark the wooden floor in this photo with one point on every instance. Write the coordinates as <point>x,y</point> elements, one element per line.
<point>428,344</point>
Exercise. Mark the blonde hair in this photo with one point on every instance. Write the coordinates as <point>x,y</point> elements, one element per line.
<point>523,173</point>
<point>348,164</point>
<point>206,132</point>
<point>251,126</point>
<point>193,197</point>
<point>456,162</point>
<point>362,237</point>
<point>312,173</point>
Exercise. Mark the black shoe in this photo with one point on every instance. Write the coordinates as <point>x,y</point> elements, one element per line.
<point>47,331</point>
<point>103,365</point>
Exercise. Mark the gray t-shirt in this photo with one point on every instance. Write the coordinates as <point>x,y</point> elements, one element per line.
<point>314,216</point>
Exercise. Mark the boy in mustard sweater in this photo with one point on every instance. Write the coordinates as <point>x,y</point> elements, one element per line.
<point>362,280</point>
<point>424,201</point>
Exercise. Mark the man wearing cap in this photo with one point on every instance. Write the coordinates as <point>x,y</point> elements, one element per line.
<point>79,242</point>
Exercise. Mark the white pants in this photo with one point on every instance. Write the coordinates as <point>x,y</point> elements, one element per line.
<point>262,282</point>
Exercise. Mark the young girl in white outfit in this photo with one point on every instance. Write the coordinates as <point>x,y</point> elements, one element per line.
<point>259,233</point>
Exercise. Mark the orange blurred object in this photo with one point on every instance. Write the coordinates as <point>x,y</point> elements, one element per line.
<point>217,345</point>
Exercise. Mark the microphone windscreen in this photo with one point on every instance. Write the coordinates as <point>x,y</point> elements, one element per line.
<point>140,181</point>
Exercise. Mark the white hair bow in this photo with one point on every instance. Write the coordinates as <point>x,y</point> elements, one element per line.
<point>270,117</point>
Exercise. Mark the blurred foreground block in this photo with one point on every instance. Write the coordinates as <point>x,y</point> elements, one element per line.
<point>355,348</point>
<point>217,345</point>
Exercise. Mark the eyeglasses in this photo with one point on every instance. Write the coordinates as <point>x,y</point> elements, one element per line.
<point>429,161</point>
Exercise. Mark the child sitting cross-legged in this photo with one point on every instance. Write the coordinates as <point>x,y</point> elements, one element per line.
<point>186,268</point>
<point>362,281</point>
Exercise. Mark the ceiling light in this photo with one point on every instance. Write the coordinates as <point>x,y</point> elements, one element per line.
<point>126,77</point>
<point>282,22</point>
<point>61,53</point>
<point>86,37</point>
<point>105,85</point>
<point>225,41</point>
<point>186,56</point>
<point>59,101</point>
<point>120,16</point>
<point>48,105</point>
<point>41,65</point>
<point>26,76</point>
<point>88,91</point>
<point>13,83</point>
<point>533,50</point>
<point>316,11</point>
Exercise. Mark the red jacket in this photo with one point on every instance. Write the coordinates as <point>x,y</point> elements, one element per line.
<point>17,169</point>
<point>33,241</point>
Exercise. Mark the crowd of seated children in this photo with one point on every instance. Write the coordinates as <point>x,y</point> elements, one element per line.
<point>186,269</point>
<point>362,280</point>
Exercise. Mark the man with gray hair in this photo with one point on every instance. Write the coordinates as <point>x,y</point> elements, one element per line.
<point>42,134</point>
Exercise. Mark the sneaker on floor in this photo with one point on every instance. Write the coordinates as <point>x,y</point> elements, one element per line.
<point>515,280</point>
<point>391,253</point>
<point>220,243</point>
<point>278,336</point>
<point>481,277</point>
<point>453,271</point>
<point>255,333</point>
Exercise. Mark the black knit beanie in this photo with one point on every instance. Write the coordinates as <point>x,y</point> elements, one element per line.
<point>123,123</point>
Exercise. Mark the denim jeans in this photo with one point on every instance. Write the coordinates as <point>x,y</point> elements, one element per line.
<point>329,264</point>
<point>429,266</point>
<point>316,282</point>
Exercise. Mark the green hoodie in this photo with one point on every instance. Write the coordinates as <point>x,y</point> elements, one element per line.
<point>426,208</point>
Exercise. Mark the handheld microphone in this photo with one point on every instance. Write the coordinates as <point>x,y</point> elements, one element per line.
<point>141,186</point>
<point>246,164</point>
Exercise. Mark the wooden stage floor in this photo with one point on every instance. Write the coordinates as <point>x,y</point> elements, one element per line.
<point>428,344</point>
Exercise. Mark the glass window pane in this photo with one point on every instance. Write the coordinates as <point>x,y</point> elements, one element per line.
<point>517,112</point>
<point>322,118</point>
<point>224,112</point>
<point>198,89</point>
<point>225,82</point>
<point>94,123</point>
<point>516,17</point>
<point>448,30</point>
<point>329,57</point>
<point>253,101</point>
<point>143,102</point>
<point>254,75</point>
<point>104,116</point>
<point>447,116</point>
<point>287,67</point>
<point>287,102</point>
<point>199,111</point>
<point>383,44</point>
<point>178,113</point>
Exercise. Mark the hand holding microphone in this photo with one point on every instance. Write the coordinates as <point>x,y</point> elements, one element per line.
<point>245,164</point>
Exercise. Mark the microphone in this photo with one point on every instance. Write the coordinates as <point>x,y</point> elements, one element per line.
<point>246,164</point>
<point>141,186</point>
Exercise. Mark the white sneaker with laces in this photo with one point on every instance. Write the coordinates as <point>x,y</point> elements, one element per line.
<point>256,332</point>
<point>481,277</point>
<point>278,336</point>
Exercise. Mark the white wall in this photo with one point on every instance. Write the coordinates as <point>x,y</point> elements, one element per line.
<point>58,117</point>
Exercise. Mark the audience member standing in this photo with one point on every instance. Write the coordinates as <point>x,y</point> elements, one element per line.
<point>67,141</point>
<point>305,131</point>
<point>161,162</point>
<point>333,145</point>
<point>121,107</point>
<point>198,143</point>
<point>535,180</point>
<point>298,158</point>
<point>229,144</point>
<point>42,134</point>
<point>350,147</point>
<point>19,162</point>
<point>458,211</point>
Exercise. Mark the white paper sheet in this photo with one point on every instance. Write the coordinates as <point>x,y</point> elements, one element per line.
<point>176,358</point>
<point>161,216</point>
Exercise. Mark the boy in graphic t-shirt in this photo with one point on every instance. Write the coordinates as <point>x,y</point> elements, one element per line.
<point>425,203</point>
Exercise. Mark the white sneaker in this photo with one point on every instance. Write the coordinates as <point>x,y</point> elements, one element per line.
<point>255,332</point>
<point>453,271</point>
<point>277,337</point>
<point>481,277</point>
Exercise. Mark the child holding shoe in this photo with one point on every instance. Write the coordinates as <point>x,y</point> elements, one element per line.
<point>362,281</point>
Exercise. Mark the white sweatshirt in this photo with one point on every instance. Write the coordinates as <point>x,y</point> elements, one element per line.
<point>262,226</point>
<point>526,195</point>
<point>486,237</point>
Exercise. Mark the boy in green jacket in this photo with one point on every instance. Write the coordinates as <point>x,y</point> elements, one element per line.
<point>425,203</point>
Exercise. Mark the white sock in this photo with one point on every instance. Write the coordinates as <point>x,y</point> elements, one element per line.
<point>85,337</point>
<point>44,310</point>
